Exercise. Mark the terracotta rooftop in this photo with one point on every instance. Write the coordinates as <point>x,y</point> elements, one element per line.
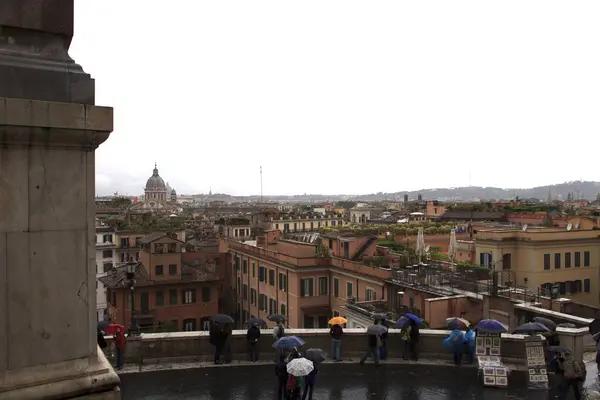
<point>189,273</point>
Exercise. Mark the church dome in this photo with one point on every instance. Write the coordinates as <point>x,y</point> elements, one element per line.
<point>155,182</point>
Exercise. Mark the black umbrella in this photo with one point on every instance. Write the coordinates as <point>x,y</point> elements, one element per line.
<point>315,355</point>
<point>531,328</point>
<point>102,325</point>
<point>551,325</point>
<point>257,321</point>
<point>223,319</point>
<point>276,318</point>
<point>594,326</point>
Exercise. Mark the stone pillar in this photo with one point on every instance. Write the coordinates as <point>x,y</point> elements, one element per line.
<point>49,129</point>
<point>574,340</point>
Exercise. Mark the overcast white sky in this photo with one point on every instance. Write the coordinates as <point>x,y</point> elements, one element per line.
<point>343,96</point>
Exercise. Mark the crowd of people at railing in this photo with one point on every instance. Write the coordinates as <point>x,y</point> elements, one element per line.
<point>296,370</point>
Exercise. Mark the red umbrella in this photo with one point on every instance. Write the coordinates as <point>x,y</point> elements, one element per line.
<point>112,329</point>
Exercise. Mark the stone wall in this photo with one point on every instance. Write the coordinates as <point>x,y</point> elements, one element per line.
<point>169,347</point>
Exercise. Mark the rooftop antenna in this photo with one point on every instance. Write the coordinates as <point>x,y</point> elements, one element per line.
<point>261,186</point>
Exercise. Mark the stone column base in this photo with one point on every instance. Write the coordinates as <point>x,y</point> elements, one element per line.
<point>85,378</point>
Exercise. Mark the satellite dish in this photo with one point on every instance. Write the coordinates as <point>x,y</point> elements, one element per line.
<point>569,226</point>
<point>524,228</point>
<point>427,248</point>
<point>577,225</point>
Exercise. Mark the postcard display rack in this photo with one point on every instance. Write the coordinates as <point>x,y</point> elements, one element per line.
<point>487,350</point>
<point>536,363</point>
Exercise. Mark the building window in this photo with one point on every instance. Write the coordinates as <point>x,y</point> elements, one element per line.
<point>306,287</point>
<point>160,299</point>
<point>189,325</point>
<point>586,258</point>
<point>254,270</point>
<point>576,286</point>
<point>323,285</point>
<point>282,282</point>
<point>272,277</point>
<point>370,294</point>
<point>107,267</point>
<point>253,296</point>
<point>577,259</point>
<point>546,261</point>
<point>158,270</point>
<point>107,254</point>
<point>245,292</point>
<point>336,287</point>
<point>506,261</point>
<point>556,260</point>
<point>172,269</point>
<point>245,266</point>
<point>283,310</point>
<point>262,302</point>
<point>188,296</point>
<point>262,274</point>
<point>567,260</point>
<point>237,263</point>
<point>206,294</point>
<point>173,297</point>
<point>107,239</point>
<point>330,244</point>
<point>272,306</point>
<point>238,286</point>
<point>586,285</point>
<point>349,290</point>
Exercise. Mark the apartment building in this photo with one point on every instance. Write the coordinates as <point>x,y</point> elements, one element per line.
<point>170,291</point>
<point>234,227</point>
<point>541,259</point>
<point>292,223</point>
<point>307,282</point>
<point>105,260</point>
<point>128,247</point>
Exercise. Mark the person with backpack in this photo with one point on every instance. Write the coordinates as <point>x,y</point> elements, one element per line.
<point>216,339</point>
<point>405,340</point>
<point>383,347</point>
<point>309,383</point>
<point>294,386</point>
<point>278,331</point>
<point>573,375</point>
<point>252,337</point>
<point>336,333</point>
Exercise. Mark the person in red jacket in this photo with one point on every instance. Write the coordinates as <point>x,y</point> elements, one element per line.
<point>120,346</point>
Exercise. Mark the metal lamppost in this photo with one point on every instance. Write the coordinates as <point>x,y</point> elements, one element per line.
<point>131,265</point>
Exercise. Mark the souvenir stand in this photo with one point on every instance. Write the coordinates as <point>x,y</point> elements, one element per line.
<point>536,363</point>
<point>491,368</point>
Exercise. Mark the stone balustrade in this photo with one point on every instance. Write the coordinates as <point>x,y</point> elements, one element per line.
<point>169,347</point>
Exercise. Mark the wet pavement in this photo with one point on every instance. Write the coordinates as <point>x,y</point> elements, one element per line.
<point>334,382</point>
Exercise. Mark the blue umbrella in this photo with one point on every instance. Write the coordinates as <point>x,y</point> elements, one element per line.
<point>402,323</point>
<point>413,317</point>
<point>490,326</point>
<point>288,342</point>
<point>531,328</point>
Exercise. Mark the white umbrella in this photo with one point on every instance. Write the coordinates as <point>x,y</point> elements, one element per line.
<point>300,367</point>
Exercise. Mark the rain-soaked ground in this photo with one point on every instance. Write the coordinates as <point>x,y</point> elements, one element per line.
<point>334,382</point>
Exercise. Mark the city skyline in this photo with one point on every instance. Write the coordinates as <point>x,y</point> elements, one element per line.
<point>349,99</point>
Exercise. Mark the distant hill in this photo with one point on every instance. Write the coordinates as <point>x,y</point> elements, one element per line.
<point>578,189</point>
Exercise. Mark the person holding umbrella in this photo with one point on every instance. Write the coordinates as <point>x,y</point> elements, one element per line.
<point>414,335</point>
<point>373,342</point>
<point>252,336</point>
<point>297,369</point>
<point>336,333</point>
<point>282,377</point>
<point>316,356</point>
